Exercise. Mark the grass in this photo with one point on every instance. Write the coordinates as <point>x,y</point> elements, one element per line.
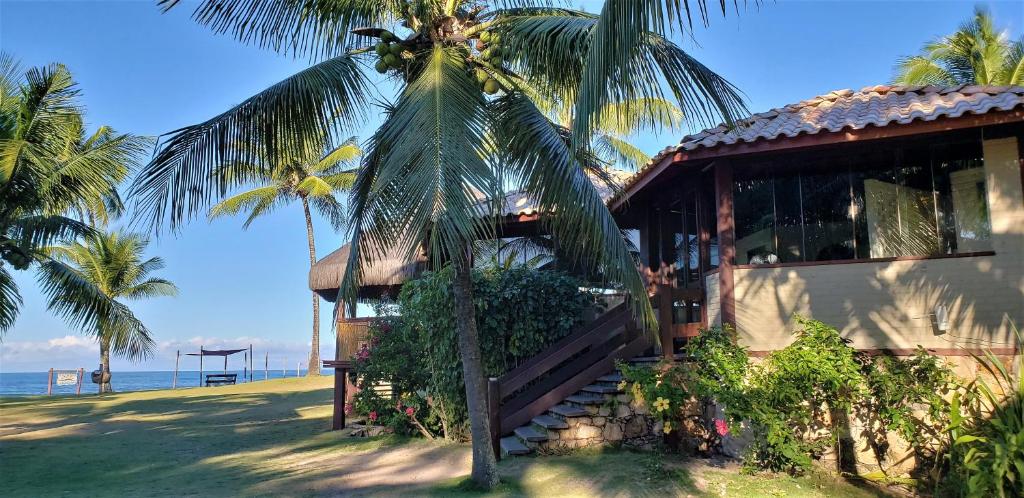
<point>272,438</point>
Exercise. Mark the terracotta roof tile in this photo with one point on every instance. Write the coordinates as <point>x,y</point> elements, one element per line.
<point>880,105</point>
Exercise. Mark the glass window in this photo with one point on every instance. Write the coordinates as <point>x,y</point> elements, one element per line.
<point>709,206</point>
<point>963,217</point>
<point>909,201</point>
<point>754,213</point>
<point>828,224</point>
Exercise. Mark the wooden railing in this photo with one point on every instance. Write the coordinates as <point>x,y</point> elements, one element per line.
<point>562,369</point>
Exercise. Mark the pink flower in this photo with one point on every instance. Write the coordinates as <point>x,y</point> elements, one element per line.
<point>363,353</point>
<point>348,408</point>
<point>373,416</point>
<point>409,411</point>
<point>721,427</point>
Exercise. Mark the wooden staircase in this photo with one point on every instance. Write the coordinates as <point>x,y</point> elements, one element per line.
<point>531,403</point>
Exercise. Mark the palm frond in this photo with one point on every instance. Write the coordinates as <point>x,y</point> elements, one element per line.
<point>620,152</point>
<point>152,287</point>
<point>547,167</point>
<point>627,35</point>
<point>257,201</point>
<point>194,166</point>
<point>343,155</point>
<point>10,300</point>
<point>311,28</point>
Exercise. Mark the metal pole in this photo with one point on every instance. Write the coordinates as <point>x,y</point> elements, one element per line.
<point>49,383</point>
<point>200,366</point>
<point>250,362</point>
<point>266,366</point>
<point>225,364</point>
<point>245,366</point>
<point>177,359</point>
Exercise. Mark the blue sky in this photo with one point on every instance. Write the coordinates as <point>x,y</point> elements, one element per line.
<point>148,73</point>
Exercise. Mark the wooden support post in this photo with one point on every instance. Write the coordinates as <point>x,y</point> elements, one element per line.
<point>338,421</point>
<point>78,386</point>
<point>266,366</point>
<point>245,366</point>
<point>177,359</point>
<point>665,320</point>
<point>251,363</point>
<point>49,383</point>
<point>493,413</point>
<point>726,241</point>
<point>200,366</point>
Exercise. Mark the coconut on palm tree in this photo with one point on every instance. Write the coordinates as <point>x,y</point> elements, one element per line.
<point>50,168</point>
<point>114,264</point>
<point>470,81</point>
<point>976,54</point>
<point>313,177</point>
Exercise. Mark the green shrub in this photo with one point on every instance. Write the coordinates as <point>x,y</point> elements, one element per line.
<point>519,313</point>
<point>986,431</point>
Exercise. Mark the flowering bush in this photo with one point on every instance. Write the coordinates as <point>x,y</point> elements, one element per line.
<point>519,313</point>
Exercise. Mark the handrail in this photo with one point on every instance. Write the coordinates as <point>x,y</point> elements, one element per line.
<point>562,349</point>
<point>562,369</point>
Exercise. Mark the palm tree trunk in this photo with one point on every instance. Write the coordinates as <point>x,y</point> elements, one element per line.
<point>485,467</point>
<point>314,354</point>
<point>105,366</point>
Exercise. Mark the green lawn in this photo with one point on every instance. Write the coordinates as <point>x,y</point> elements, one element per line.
<point>272,438</point>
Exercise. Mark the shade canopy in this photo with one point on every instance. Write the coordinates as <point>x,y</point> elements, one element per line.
<point>385,275</point>
<point>217,352</point>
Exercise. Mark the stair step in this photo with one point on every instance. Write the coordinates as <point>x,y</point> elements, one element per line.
<point>511,445</point>
<point>568,411</point>
<point>600,389</point>
<point>611,378</point>
<point>581,399</point>
<point>549,422</point>
<point>530,434</point>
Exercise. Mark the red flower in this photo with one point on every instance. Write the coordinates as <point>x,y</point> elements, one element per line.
<point>373,416</point>
<point>721,427</point>
<point>348,408</point>
<point>363,353</point>
<point>409,411</point>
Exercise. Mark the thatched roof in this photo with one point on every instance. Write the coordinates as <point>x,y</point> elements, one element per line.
<point>385,273</point>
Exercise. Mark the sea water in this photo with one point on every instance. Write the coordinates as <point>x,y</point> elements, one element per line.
<point>34,383</point>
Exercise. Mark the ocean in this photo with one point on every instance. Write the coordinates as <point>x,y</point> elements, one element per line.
<point>34,383</point>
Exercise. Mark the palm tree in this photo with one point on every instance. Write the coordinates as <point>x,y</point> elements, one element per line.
<point>313,178</point>
<point>976,54</point>
<point>113,263</point>
<point>467,122</point>
<point>48,169</point>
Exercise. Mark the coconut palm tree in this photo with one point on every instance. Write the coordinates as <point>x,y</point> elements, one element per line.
<point>313,178</point>
<point>467,122</point>
<point>113,263</point>
<point>50,168</point>
<point>976,54</point>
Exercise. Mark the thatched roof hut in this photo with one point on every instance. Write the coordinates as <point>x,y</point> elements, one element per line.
<point>384,277</point>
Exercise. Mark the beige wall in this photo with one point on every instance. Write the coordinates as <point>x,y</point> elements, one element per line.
<point>887,305</point>
<point>713,299</point>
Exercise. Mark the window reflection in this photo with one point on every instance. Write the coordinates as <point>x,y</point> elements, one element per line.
<point>914,201</point>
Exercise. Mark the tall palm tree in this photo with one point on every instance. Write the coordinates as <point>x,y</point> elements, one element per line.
<point>49,169</point>
<point>314,178</point>
<point>112,263</point>
<point>471,79</point>
<point>976,54</point>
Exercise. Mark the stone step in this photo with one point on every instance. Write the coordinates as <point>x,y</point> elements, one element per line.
<point>511,445</point>
<point>581,399</point>
<point>549,422</point>
<point>530,434</point>
<point>601,389</point>
<point>612,378</point>
<point>568,411</point>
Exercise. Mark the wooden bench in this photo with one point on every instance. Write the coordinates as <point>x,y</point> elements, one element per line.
<point>220,379</point>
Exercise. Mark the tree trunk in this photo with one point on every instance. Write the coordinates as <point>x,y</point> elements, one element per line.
<point>104,385</point>
<point>485,467</point>
<point>314,354</point>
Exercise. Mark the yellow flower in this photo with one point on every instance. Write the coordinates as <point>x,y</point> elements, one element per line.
<point>668,427</point>
<point>661,404</point>
<point>622,386</point>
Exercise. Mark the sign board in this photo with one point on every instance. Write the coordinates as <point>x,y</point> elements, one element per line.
<point>67,378</point>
